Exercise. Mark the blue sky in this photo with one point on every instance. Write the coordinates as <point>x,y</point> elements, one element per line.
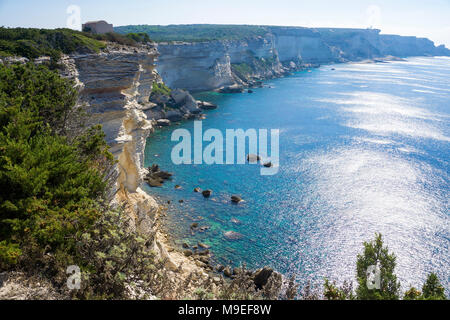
<point>429,18</point>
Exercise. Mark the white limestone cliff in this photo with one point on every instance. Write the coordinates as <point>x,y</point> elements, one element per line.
<point>115,86</point>
<point>210,65</point>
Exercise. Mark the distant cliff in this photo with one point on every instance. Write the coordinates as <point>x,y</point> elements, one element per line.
<point>266,52</point>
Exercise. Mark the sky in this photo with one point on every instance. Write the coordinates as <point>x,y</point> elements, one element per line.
<point>430,19</point>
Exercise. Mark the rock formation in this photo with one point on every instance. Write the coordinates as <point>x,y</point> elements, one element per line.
<point>230,64</point>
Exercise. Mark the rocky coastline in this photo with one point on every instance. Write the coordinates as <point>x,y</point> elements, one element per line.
<point>232,65</point>
<point>124,89</point>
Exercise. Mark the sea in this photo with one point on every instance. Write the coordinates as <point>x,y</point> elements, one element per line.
<point>364,148</point>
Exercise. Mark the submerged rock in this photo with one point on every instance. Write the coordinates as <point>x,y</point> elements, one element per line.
<point>232,235</point>
<point>235,221</point>
<point>202,245</point>
<point>204,253</point>
<point>194,225</point>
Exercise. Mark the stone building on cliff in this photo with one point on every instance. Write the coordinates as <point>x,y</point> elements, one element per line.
<point>98,27</point>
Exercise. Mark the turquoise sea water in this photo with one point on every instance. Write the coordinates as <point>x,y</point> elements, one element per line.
<point>364,148</point>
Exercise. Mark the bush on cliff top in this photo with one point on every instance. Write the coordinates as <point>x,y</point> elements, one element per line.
<point>33,43</point>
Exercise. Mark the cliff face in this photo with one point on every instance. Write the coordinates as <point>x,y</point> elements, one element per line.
<point>115,85</point>
<point>115,88</point>
<point>210,65</point>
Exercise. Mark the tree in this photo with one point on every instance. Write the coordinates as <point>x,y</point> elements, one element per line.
<point>332,292</point>
<point>432,289</point>
<point>375,254</point>
<point>51,186</point>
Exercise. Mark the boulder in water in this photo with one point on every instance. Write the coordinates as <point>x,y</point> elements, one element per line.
<point>163,122</point>
<point>232,89</point>
<point>236,199</point>
<point>232,235</point>
<point>268,165</point>
<point>207,193</point>
<point>207,105</point>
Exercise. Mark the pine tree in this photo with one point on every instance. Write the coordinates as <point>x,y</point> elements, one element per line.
<point>375,254</point>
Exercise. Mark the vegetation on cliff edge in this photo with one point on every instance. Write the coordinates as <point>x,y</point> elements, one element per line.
<point>33,43</point>
<point>195,32</point>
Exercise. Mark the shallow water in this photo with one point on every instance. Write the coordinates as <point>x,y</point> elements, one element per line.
<point>363,149</point>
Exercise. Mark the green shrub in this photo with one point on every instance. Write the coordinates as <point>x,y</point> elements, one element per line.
<point>113,258</point>
<point>160,89</point>
<point>243,69</point>
<point>140,37</point>
<point>51,185</point>
<point>432,289</point>
<point>32,43</point>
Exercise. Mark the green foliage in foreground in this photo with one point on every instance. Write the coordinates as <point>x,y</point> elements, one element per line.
<point>50,184</point>
<point>376,254</point>
<point>195,32</point>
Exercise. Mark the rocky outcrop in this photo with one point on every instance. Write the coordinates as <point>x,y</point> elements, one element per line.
<point>235,63</point>
<point>115,87</point>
